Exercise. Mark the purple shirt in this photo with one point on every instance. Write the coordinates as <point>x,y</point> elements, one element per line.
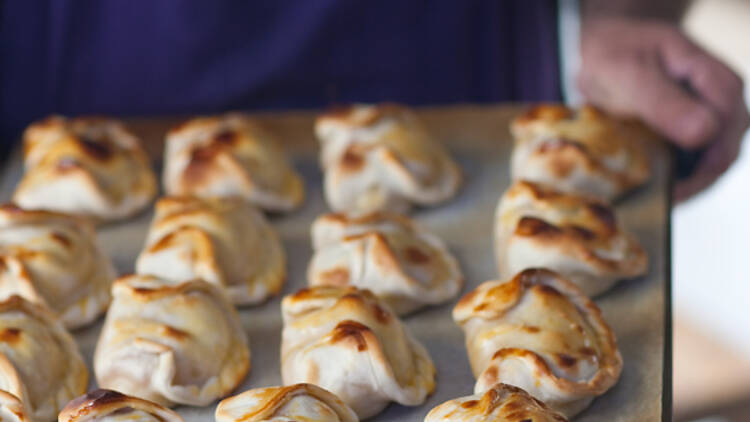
<point>141,57</point>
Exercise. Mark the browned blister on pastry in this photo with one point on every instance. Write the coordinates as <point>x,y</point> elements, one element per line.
<point>380,157</point>
<point>575,235</point>
<point>88,166</point>
<point>402,263</point>
<point>230,155</point>
<point>539,332</point>
<point>225,241</point>
<point>581,151</point>
<point>349,342</point>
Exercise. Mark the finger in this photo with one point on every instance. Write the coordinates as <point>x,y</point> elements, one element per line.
<point>711,79</point>
<point>717,159</point>
<point>672,111</point>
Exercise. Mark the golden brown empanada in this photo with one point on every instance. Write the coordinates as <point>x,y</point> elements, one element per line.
<point>501,403</point>
<point>349,342</point>
<point>389,254</point>
<point>225,241</point>
<point>576,236</point>
<point>171,343</point>
<point>111,406</point>
<point>40,366</point>
<point>299,402</point>
<point>230,155</point>
<point>54,259</point>
<point>581,151</point>
<point>86,166</point>
<point>539,332</point>
<point>380,157</point>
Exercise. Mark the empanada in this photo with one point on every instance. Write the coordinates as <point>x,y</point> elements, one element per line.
<point>111,406</point>
<point>349,342</point>
<point>539,332</point>
<point>179,343</point>
<point>230,155</point>
<point>54,259</point>
<point>583,151</point>
<point>225,241</point>
<point>501,403</point>
<point>40,366</point>
<point>299,402</point>
<point>403,264</point>
<point>86,166</point>
<point>380,157</point>
<point>576,236</point>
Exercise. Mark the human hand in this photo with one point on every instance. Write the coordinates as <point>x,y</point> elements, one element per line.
<point>650,70</point>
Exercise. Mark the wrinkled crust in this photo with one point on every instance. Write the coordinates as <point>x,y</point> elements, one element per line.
<point>149,288</point>
<point>74,381</point>
<point>575,227</point>
<point>111,405</point>
<point>570,146</point>
<point>225,241</point>
<point>315,298</point>
<point>401,263</point>
<point>11,213</point>
<point>89,166</point>
<point>380,157</point>
<point>263,404</point>
<point>502,402</point>
<point>12,409</point>
<point>230,155</point>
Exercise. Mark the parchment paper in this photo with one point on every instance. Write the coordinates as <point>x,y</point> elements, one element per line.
<point>478,137</point>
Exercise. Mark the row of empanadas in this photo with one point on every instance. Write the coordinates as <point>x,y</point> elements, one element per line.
<point>54,259</point>
<point>171,343</point>
<point>224,241</point>
<point>403,264</point>
<point>85,166</point>
<point>539,332</point>
<point>575,235</point>
<point>349,342</point>
<point>382,158</point>
<point>580,151</point>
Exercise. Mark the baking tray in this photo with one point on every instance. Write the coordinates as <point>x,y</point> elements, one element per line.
<point>478,137</point>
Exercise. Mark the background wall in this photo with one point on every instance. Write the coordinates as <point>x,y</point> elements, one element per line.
<point>711,234</point>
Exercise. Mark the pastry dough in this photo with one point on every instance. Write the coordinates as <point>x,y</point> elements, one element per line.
<point>584,151</point>
<point>40,366</point>
<point>11,409</point>
<point>86,166</point>
<point>299,402</point>
<point>577,236</point>
<point>403,264</point>
<point>539,332</point>
<point>111,406</point>
<point>171,343</point>
<point>225,241</point>
<point>381,157</point>
<point>54,259</point>
<point>501,403</point>
<point>350,343</point>
<point>230,155</point>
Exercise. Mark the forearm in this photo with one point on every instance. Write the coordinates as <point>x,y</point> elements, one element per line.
<point>667,10</point>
